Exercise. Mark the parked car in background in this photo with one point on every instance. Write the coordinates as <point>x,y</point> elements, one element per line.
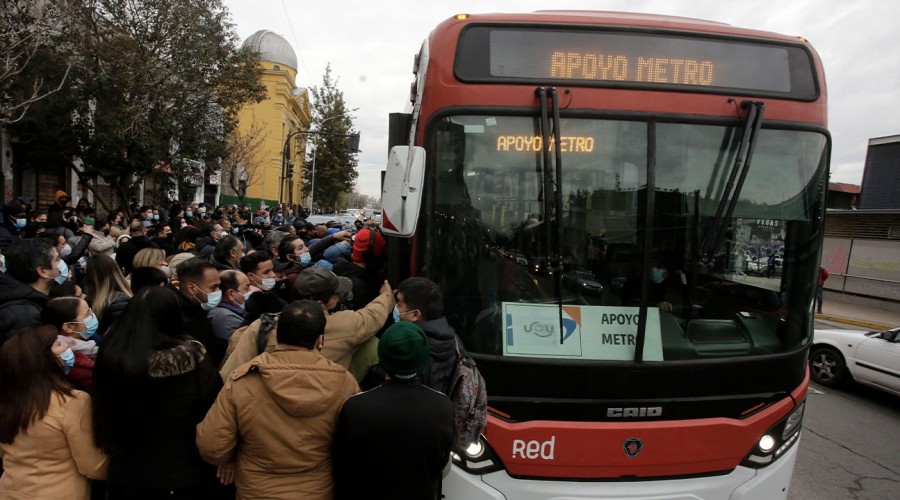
<point>582,281</point>
<point>871,358</point>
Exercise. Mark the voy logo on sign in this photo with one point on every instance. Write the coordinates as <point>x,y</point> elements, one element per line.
<point>589,332</point>
<point>534,329</point>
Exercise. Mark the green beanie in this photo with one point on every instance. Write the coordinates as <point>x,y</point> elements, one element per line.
<point>403,350</point>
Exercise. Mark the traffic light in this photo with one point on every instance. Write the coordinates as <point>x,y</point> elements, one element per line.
<point>353,143</point>
<point>290,169</point>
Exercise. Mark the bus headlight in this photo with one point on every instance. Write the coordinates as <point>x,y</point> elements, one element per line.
<point>477,458</point>
<point>780,437</point>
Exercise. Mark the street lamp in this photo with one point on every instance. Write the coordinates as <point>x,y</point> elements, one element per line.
<point>287,165</point>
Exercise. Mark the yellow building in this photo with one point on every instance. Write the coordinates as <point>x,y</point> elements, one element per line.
<point>267,125</point>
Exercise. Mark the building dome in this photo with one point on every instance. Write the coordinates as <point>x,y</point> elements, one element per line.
<point>272,47</point>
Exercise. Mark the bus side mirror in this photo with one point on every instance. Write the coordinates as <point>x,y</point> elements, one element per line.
<point>400,206</point>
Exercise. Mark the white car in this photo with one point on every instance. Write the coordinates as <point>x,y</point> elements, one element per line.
<point>871,358</point>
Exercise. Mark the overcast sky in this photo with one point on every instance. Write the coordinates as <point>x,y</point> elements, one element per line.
<point>370,46</point>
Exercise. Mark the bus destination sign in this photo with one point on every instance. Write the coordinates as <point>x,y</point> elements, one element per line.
<point>547,55</point>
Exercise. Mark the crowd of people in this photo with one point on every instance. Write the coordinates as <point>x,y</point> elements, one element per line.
<point>215,352</point>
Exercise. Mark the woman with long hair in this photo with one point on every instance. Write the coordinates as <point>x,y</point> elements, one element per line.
<point>108,290</point>
<point>153,386</point>
<point>46,433</point>
<point>77,325</point>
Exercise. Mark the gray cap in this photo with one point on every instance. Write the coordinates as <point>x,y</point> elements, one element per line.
<point>316,281</point>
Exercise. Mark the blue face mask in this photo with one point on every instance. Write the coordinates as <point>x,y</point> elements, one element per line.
<point>246,297</point>
<point>68,358</point>
<point>189,214</point>
<point>20,223</point>
<point>396,315</point>
<point>657,275</point>
<point>91,324</point>
<point>63,272</point>
<point>212,300</point>
<point>305,259</point>
<point>155,216</point>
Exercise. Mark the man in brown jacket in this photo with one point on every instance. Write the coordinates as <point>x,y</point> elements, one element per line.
<point>276,414</point>
<point>346,330</point>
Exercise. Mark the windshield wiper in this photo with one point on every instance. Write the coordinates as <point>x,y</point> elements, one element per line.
<point>552,196</point>
<point>729,199</point>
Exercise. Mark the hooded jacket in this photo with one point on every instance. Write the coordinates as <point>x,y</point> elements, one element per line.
<point>442,359</point>
<point>276,415</point>
<point>20,306</point>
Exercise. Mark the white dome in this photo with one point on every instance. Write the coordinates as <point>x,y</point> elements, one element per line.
<point>272,47</point>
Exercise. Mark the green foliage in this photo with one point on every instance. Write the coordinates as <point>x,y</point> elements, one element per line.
<point>335,165</point>
<point>155,87</point>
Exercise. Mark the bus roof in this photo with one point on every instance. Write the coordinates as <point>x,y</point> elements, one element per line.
<point>629,19</point>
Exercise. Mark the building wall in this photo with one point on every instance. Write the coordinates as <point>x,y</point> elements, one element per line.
<point>286,109</point>
<point>881,178</point>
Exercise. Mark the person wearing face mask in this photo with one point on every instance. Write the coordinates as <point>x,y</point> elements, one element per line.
<point>32,268</point>
<point>294,251</point>
<point>346,330</point>
<point>46,435</point>
<point>77,326</point>
<point>102,243</point>
<point>15,218</point>
<point>108,290</point>
<point>199,293</point>
<point>259,269</point>
<point>229,315</point>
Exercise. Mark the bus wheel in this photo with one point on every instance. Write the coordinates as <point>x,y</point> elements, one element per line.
<point>828,366</point>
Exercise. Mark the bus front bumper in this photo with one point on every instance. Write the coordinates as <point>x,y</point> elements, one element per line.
<point>769,483</point>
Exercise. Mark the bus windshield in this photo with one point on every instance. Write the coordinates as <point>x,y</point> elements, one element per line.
<point>487,240</point>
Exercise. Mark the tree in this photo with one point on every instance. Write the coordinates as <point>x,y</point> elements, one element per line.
<point>27,30</point>
<point>156,86</point>
<point>241,167</point>
<point>335,164</point>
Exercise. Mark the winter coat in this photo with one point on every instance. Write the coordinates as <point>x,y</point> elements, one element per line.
<point>102,244</point>
<point>393,442</point>
<point>225,319</point>
<point>197,325</point>
<point>276,416</point>
<point>345,331</point>
<point>112,312</point>
<point>221,266</point>
<point>20,306</point>
<point>9,234</point>
<point>55,457</point>
<point>162,456</point>
<point>82,373</point>
<point>441,363</point>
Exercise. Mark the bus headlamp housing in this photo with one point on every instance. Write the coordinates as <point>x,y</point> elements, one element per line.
<point>776,440</point>
<point>478,458</point>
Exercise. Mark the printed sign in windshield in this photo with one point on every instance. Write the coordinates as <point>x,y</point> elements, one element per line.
<point>588,332</point>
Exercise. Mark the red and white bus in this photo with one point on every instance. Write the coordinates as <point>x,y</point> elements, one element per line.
<point>589,189</point>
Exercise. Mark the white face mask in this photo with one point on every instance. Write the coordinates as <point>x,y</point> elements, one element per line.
<point>67,249</point>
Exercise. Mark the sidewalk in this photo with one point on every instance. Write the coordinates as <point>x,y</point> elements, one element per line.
<point>866,318</point>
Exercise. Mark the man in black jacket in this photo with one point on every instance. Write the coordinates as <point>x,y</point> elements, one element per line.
<point>420,300</point>
<point>407,426</point>
<point>139,241</point>
<point>32,266</point>
<point>200,291</point>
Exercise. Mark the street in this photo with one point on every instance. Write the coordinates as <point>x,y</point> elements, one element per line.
<point>850,448</point>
